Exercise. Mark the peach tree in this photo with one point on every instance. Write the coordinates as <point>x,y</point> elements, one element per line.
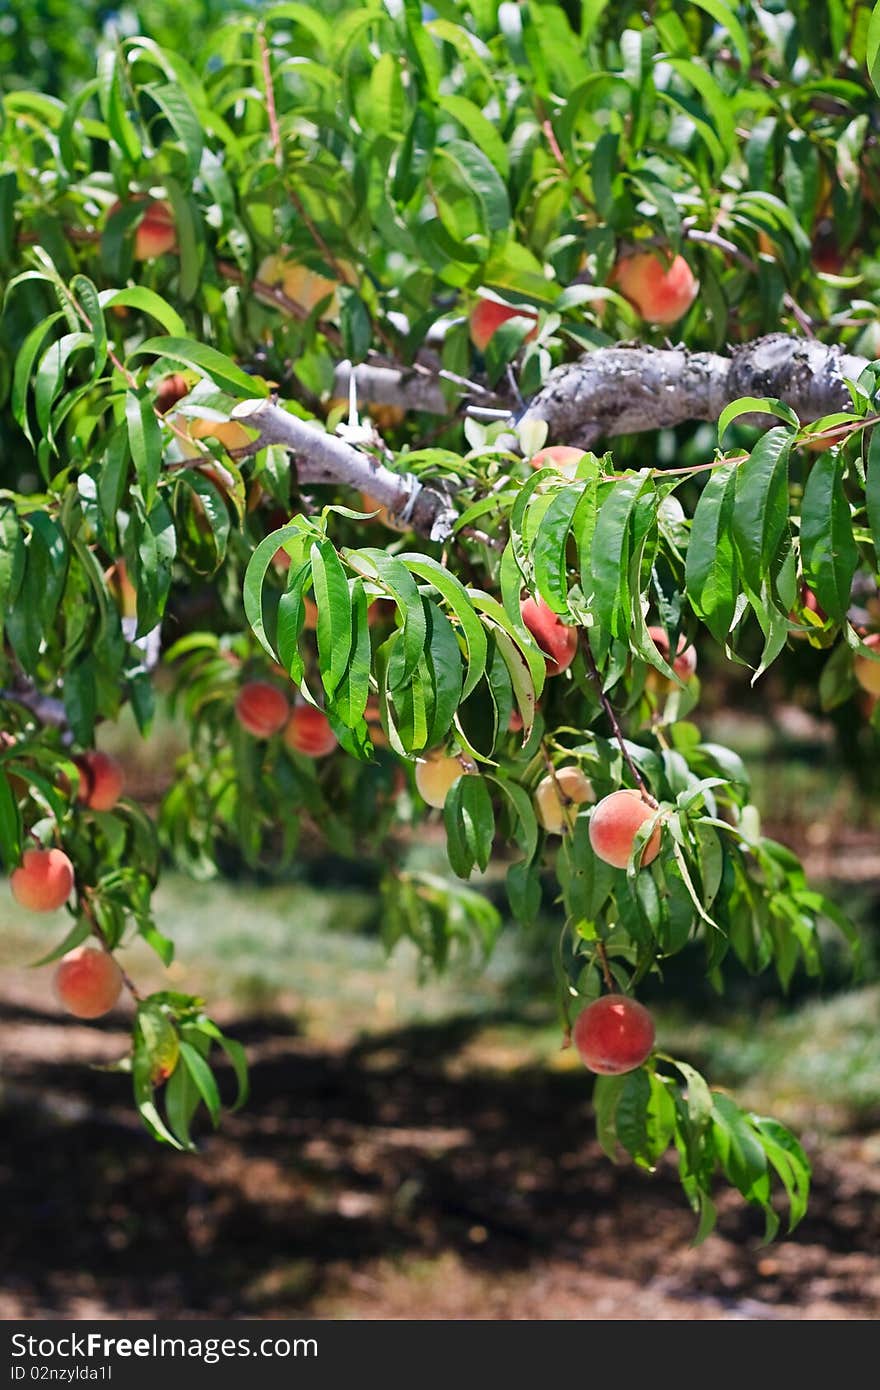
<point>421,394</point>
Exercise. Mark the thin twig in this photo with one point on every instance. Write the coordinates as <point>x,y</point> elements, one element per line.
<point>721,243</point>
<point>274,129</point>
<point>602,955</point>
<point>613,720</point>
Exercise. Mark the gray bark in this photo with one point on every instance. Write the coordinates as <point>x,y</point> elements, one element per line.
<point>627,390</point>
<point>392,386</point>
<point>325,458</point>
<point>45,708</point>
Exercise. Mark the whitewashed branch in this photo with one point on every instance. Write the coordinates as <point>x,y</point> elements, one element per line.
<point>325,458</point>
<point>44,707</point>
<point>628,390</point>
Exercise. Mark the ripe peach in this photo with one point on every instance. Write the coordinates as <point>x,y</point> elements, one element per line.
<point>826,253</point>
<point>614,825</point>
<point>558,456</point>
<point>101,780</point>
<point>614,1034</point>
<point>304,286</point>
<point>824,441</point>
<point>384,517</point>
<point>155,233</point>
<point>809,604</point>
<point>169,391</point>
<point>435,774</point>
<point>262,709</point>
<point>661,290</point>
<point>487,316</point>
<point>558,795</point>
<point>43,881</point>
<point>121,589</point>
<point>308,731</point>
<point>558,642</point>
<point>685,663</point>
<point>229,433</point>
<point>373,716</point>
<point>88,982</point>
<point>866,671</point>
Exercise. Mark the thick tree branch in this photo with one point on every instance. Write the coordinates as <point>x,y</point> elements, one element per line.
<point>324,458</point>
<point>628,390</point>
<point>45,708</point>
<point>411,390</point>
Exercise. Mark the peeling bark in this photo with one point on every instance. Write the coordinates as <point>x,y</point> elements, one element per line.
<point>325,458</point>
<point>628,390</point>
<point>632,389</point>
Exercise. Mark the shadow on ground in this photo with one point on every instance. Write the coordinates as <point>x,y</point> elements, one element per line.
<point>350,1168</point>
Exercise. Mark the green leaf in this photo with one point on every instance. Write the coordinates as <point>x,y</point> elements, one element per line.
<point>354,688</point>
<point>632,1112</point>
<point>739,1150</point>
<point>482,180</point>
<point>145,442</point>
<point>147,302</point>
<point>203,1078</point>
<point>470,824</point>
<point>549,549</point>
<point>224,373</point>
<point>754,405</point>
<point>178,110</point>
<point>444,665</point>
<point>456,595</point>
<point>80,698</point>
<point>725,17</point>
<point>333,602</point>
<point>610,552</point>
<point>606,1097</point>
<point>255,575</point>
<point>712,574</point>
<point>872,53</point>
<point>872,490</point>
<point>760,511</point>
<point>79,932</point>
<point>10,825</point>
<point>828,549</point>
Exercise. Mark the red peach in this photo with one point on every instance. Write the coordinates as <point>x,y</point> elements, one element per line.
<point>156,232</point>
<point>558,642</point>
<point>685,664</point>
<point>169,391</point>
<point>101,780</point>
<point>558,456</point>
<point>88,982</point>
<point>436,772</point>
<point>308,732</point>
<point>614,825</point>
<point>557,797</point>
<point>43,881</point>
<point>487,316</point>
<point>262,709</point>
<point>614,1034</point>
<point>661,290</point>
<point>866,671</point>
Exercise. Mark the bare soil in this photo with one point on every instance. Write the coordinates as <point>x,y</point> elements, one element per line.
<point>384,1179</point>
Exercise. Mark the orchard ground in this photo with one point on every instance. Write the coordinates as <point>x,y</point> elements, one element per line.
<point>429,1151</point>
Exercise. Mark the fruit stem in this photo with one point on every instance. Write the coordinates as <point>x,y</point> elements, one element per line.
<point>602,955</point>
<point>612,719</point>
<point>97,933</point>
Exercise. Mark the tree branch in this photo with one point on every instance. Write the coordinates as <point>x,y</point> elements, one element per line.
<point>628,390</point>
<point>45,708</point>
<point>324,458</point>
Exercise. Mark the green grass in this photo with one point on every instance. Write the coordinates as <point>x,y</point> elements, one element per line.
<point>301,951</point>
